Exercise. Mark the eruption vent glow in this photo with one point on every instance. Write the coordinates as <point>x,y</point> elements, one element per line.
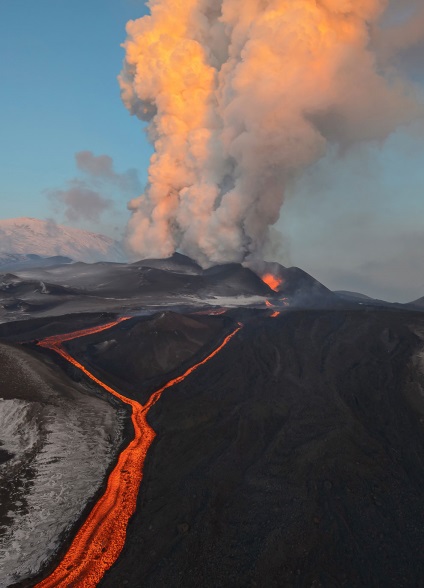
<point>273,282</point>
<point>240,97</point>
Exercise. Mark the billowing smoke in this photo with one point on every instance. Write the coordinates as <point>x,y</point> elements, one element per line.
<point>87,198</point>
<point>240,97</point>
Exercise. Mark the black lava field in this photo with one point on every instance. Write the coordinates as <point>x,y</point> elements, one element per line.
<point>285,428</point>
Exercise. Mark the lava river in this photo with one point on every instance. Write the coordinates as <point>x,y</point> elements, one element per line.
<point>101,538</point>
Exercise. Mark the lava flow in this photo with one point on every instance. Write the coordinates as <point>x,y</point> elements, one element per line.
<point>101,538</point>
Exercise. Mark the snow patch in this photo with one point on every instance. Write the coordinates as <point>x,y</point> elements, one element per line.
<point>45,238</point>
<point>61,450</point>
<point>228,301</point>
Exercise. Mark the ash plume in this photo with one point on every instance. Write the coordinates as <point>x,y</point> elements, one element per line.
<point>240,97</point>
<point>88,197</point>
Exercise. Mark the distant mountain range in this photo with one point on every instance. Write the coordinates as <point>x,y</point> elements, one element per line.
<point>31,237</point>
<point>12,262</point>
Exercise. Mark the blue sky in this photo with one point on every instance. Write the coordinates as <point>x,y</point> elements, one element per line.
<point>59,95</point>
<point>355,223</point>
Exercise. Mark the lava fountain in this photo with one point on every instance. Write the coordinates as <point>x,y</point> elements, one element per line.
<point>100,540</point>
<point>274,282</point>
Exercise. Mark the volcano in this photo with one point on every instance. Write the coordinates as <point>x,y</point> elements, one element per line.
<point>64,288</point>
<point>228,433</point>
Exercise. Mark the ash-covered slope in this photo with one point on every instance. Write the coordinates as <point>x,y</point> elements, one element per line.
<point>294,458</point>
<point>231,279</point>
<point>177,281</point>
<point>418,303</point>
<point>105,286</point>
<point>142,350</point>
<point>176,263</point>
<point>367,301</point>
<point>301,288</point>
<point>353,295</point>
<point>45,238</point>
<point>163,277</point>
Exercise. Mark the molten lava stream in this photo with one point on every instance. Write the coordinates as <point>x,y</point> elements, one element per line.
<point>101,538</point>
<point>275,314</point>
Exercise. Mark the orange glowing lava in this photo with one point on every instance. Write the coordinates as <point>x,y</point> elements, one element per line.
<point>272,281</point>
<point>100,540</point>
<point>275,314</point>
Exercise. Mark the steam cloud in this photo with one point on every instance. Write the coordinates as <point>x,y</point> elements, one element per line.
<point>80,203</point>
<point>83,199</point>
<point>240,97</point>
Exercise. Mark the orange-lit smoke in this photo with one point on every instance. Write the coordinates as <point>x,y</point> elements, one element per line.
<point>240,97</point>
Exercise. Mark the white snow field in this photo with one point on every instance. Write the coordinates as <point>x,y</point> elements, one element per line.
<point>62,441</point>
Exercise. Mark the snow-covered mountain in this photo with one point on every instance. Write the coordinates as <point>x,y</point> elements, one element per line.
<point>48,239</point>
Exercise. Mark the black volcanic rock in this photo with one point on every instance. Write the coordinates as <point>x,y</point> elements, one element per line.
<point>299,287</point>
<point>39,328</point>
<point>364,300</point>
<point>353,295</point>
<point>138,351</point>
<point>418,303</point>
<point>298,283</point>
<point>294,458</point>
<point>113,287</point>
<point>176,263</point>
<point>152,284</point>
<point>233,279</point>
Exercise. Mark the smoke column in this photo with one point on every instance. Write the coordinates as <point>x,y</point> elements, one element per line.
<point>240,97</point>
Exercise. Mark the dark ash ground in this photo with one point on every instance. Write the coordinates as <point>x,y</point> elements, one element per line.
<point>294,458</point>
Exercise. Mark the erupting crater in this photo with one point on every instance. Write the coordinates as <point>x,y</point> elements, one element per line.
<point>101,538</point>
<point>274,282</point>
